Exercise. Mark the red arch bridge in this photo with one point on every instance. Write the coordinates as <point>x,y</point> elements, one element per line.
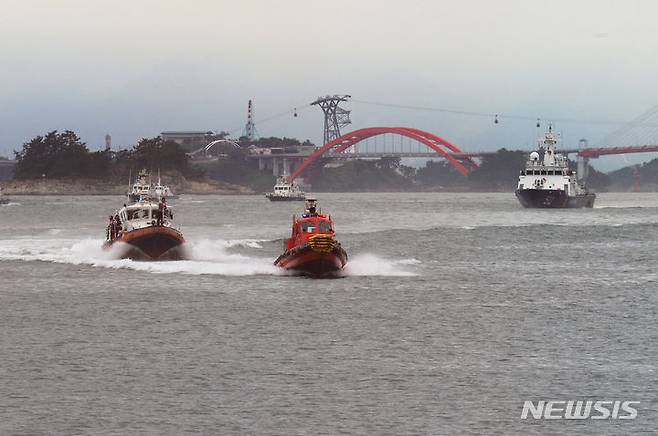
<point>429,146</point>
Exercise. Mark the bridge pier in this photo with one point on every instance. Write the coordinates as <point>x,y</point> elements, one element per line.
<point>261,164</point>
<point>583,168</point>
<point>275,167</point>
<point>286,166</point>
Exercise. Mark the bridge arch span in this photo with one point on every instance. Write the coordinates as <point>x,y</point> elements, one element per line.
<point>213,144</point>
<point>346,141</point>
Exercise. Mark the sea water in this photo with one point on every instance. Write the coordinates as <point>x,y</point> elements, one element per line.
<point>453,310</point>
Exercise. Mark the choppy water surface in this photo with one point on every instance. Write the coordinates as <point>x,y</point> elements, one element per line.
<point>454,310</point>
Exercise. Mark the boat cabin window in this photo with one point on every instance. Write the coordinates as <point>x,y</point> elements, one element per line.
<point>307,227</point>
<point>319,227</point>
<point>138,213</point>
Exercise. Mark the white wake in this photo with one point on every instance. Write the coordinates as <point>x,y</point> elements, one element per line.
<point>205,257</point>
<point>372,265</point>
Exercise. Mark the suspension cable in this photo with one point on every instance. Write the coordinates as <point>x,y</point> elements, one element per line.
<point>502,115</point>
<point>292,111</point>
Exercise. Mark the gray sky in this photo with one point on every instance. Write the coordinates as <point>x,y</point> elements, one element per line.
<point>133,68</point>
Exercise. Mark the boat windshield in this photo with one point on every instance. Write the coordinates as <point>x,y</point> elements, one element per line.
<point>308,227</point>
<point>137,214</point>
<point>316,227</point>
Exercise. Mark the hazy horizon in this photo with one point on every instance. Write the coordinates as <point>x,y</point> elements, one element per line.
<point>134,69</point>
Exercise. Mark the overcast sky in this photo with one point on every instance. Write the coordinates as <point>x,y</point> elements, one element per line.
<point>133,68</point>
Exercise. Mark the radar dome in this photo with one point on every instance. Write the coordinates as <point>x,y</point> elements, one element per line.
<point>534,156</point>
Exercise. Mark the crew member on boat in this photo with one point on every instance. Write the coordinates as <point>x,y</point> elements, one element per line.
<point>311,208</point>
<point>117,226</point>
<point>111,229</point>
<point>162,206</point>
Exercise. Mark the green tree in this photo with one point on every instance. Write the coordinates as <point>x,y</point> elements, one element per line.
<point>362,175</point>
<point>439,173</point>
<point>388,163</point>
<point>60,155</point>
<point>273,141</point>
<point>155,153</point>
<point>498,171</point>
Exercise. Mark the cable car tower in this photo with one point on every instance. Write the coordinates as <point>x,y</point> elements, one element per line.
<point>335,116</point>
<point>250,131</point>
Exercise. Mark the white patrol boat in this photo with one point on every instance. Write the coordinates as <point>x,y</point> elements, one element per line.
<point>162,191</point>
<point>548,182</point>
<point>147,229</point>
<point>285,191</point>
<point>142,186</point>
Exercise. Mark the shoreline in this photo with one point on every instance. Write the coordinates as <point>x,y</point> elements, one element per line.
<point>55,187</point>
<point>78,187</point>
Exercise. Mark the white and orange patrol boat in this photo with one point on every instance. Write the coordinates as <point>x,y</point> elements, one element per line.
<point>146,227</point>
<point>312,249</point>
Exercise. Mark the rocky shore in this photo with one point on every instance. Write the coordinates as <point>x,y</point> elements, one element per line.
<point>96,187</point>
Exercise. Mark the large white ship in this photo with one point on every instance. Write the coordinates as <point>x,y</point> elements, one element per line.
<point>548,182</point>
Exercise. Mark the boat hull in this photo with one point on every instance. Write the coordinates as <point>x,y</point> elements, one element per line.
<point>151,243</point>
<point>304,260</point>
<point>549,199</point>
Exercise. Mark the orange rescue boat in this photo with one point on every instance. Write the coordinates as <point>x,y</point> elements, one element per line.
<point>313,249</point>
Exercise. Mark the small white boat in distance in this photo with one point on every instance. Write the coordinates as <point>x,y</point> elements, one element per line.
<point>141,187</point>
<point>162,191</point>
<point>284,191</point>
